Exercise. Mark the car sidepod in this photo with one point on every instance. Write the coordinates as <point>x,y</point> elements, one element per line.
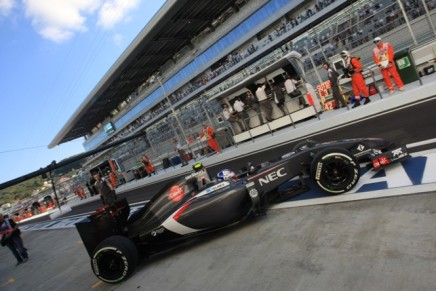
<point>216,206</point>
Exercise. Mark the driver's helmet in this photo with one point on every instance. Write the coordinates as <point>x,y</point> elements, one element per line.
<point>225,175</point>
<point>198,167</point>
<point>251,169</point>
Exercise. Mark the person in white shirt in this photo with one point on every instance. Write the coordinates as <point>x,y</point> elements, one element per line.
<point>181,151</point>
<point>239,107</point>
<point>291,89</point>
<point>251,101</point>
<point>265,103</point>
<point>232,116</point>
<point>279,97</point>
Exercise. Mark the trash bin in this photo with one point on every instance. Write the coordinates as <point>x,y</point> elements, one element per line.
<point>166,163</point>
<point>175,160</point>
<point>405,67</point>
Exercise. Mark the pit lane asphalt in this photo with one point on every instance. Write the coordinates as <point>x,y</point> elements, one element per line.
<point>379,244</point>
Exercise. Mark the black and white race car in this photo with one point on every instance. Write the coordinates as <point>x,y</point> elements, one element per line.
<point>196,204</point>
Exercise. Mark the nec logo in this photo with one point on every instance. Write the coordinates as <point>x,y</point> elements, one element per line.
<point>272,176</point>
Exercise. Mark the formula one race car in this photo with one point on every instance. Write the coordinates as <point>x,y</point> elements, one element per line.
<point>196,204</point>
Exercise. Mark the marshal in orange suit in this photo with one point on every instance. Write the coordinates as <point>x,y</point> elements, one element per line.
<point>209,133</point>
<point>383,55</point>
<point>353,68</point>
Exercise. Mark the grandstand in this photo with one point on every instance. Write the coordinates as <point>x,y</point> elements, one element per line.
<point>193,50</point>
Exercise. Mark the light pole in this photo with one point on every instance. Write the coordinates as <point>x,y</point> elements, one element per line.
<point>174,113</point>
<point>403,11</point>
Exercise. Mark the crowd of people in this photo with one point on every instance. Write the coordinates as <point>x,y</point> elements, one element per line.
<point>240,111</point>
<point>225,64</point>
<point>372,19</point>
<point>358,28</point>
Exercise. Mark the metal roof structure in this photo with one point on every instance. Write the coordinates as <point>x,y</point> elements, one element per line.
<point>171,29</point>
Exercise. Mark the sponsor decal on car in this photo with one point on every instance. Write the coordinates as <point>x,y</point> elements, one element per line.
<point>253,193</point>
<point>362,151</point>
<point>157,231</point>
<point>318,171</point>
<point>213,188</point>
<point>196,174</point>
<point>272,176</point>
<point>176,193</point>
<point>399,153</point>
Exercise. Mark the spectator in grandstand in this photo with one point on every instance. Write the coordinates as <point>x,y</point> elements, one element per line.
<point>279,97</point>
<point>383,55</point>
<point>181,151</point>
<point>239,107</point>
<point>353,68</point>
<point>11,237</point>
<point>252,102</point>
<point>232,116</point>
<point>336,92</point>
<point>265,104</point>
<point>209,134</point>
<point>105,189</point>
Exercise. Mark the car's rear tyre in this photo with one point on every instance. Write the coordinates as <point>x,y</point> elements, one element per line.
<point>114,259</point>
<point>335,170</point>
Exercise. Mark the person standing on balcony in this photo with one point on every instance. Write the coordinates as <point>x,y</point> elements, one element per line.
<point>233,117</point>
<point>239,107</point>
<point>252,102</point>
<point>265,103</point>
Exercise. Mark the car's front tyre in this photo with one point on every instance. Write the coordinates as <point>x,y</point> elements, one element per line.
<point>335,170</point>
<point>114,259</point>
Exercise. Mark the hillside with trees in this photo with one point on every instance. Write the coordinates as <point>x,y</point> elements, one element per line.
<point>26,189</point>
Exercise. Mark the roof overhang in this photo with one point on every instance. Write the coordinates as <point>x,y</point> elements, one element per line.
<point>171,29</point>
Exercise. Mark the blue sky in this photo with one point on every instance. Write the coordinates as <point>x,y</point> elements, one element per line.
<point>52,54</point>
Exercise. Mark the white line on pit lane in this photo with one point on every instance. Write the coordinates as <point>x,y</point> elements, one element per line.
<point>421,143</point>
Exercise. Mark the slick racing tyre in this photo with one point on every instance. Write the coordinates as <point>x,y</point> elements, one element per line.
<point>114,259</point>
<point>335,170</point>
